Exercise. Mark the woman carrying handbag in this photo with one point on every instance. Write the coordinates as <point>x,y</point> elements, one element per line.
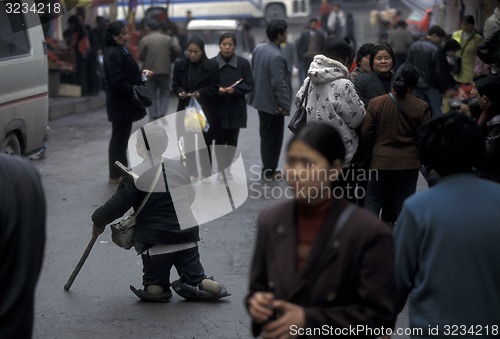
<point>122,74</point>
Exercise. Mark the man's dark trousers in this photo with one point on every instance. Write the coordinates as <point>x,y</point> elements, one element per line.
<point>271,139</point>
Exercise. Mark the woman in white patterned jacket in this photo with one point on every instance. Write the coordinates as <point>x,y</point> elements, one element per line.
<point>332,97</point>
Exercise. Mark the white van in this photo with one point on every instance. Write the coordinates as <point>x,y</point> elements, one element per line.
<point>24,99</point>
<point>210,31</point>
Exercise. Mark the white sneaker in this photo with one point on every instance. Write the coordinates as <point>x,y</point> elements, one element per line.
<point>206,180</point>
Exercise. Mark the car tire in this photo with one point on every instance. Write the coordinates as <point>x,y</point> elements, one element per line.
<point>275,12</point>
<point>11,145</point>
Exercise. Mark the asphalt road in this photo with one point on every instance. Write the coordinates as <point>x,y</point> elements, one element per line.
<point>99,304</point>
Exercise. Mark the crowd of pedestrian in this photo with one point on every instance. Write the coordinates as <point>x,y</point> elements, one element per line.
<point>320,259</point>
<point>377,117</point>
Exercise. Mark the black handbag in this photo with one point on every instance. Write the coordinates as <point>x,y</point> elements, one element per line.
<point>299,119</point>
<point>141,96</point>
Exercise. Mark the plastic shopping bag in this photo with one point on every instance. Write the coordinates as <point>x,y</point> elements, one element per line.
<point>195,120</point>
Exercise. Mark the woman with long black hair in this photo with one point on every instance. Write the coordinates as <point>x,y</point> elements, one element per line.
<point>122,73</point>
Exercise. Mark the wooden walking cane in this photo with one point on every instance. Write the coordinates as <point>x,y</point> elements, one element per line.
<point>92,241</point>
<point>81,262</point>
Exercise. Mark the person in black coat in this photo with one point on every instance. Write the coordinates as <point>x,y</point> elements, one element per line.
<point>379,81</point>
<point>196,77</point>
<point>122,72</point>
<point>166,232</point>
<point>236,80</point>
<point>22,241</point>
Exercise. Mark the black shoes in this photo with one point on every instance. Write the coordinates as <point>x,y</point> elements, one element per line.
<point>207,289</point>
<point>144,295</point>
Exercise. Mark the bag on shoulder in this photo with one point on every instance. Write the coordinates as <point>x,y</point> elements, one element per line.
<point>122,232</point>
<point>299,119</point>
<point>141,96</point>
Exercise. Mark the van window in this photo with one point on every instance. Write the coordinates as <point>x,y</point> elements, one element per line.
<point>12,44</point>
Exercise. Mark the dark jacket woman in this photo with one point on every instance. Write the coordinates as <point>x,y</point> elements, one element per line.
<point>122,73</point>
<point>311,275</point>
<point>236,80</point>
<point>379,81</point>
<point>393,135</point>
<point>205,84</point>
<point>343,291</point>
<point>370,85</point>
<point>197,76</point>
<point>232,109</point>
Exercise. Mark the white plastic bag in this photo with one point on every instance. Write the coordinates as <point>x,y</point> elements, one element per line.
<point>195,120</point>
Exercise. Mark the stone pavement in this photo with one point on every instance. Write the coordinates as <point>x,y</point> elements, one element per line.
<point>62,106</point>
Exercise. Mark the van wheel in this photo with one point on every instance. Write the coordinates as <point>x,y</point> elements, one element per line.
<point>275,12</point>
<point>11,145</point>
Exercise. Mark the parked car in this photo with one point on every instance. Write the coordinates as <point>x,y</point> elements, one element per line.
<point>210,31</point>
<point>24,98</point>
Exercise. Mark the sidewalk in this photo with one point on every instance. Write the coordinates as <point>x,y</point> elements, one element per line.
<point>63,106</point>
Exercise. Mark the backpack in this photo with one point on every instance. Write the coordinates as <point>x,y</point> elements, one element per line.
<point>489,50</point>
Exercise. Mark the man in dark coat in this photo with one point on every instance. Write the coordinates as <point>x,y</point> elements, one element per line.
<point>308,45</point>
<point>431,63</point>
<point>272,95</point>
<point>22,240</point>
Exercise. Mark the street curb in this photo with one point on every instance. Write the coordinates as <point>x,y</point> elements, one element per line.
<point>60,107</point>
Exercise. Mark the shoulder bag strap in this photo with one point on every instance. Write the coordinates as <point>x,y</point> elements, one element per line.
<point>153,184</point>
<point>340,224</point>
<point>303,100</point>
<point>466,43</point>
<point>334,237</point>
<point>405,115</point>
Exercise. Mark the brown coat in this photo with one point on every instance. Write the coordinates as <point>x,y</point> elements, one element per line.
<point>354,284</point>
<point>392,137</point>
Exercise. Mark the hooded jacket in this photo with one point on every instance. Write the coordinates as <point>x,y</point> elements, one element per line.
<point>332,98</point>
